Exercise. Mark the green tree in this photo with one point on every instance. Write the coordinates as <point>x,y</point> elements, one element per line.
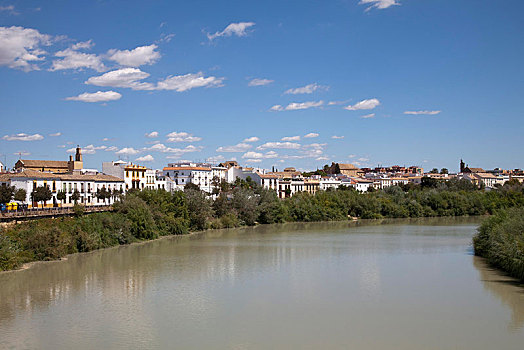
<point>6,193</point>
<point>199,209</point>
<point>191,186</point>
<point>103,194</point>
<point>61,196</point>
<point>75,196</point>
<point>434,171</point>
<point>20,195</point>
<point>215,183</point>
<point>444,171</point>
<point>42,194</point>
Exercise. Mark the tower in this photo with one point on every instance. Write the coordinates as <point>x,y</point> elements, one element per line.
<point>76,164</point>
<point>462,166</point>
<point>78,155</point>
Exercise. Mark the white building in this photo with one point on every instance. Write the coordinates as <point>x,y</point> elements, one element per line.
<point>329,183</point>
<point>288,187</point>
<point>242,173</point>
<point>489,180</point>
<point>269,182</point>
<point>135,176</point>
<point>86,185</point>
<point>183,175</point>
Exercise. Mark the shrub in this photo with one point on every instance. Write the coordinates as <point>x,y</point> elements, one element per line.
<point>500,239</point>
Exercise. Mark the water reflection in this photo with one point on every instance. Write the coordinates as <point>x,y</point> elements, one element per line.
<point>308,285</point>
<point>126,272</point>
<point>507,289</point>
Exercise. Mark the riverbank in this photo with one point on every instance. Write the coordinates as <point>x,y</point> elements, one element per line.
<point>150,214</point>
<point>500,240</point>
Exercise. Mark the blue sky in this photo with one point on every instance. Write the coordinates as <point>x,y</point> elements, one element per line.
<point>407,82</point>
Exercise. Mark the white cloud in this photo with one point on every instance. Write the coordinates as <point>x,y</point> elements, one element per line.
<point>8,8</point>
<point>352,156</point>
<point>322,158</point>
<point>311,135</point>
<point>422,112</point>
<point>363,159</point>
<point>22,153</point>
<point>260,82</point>
<point>367,116</point>
<point>283,145</point>
<point>256,155</point>
<point>124,78</point>
<point>334,103</point>
<point>127,151</point>
<point>111,149</point>
<point>314,150</point>
<point>253,160</point>
<point>159,147</point>
<point>89,149</point>
<point>99,96</point>
<point>165,38</point>
<point>241,147</point>
<point>56,134</point>
<point>19,47</point>
<point>378,4</point>
<point>132,78</point>
<point>216,159</point>
<point>137,57</point>
<point>152,134</point>
<point>308,89</point>
<point>83,45</point>
<point>364,104</point>
<point>335,137</point>
<point>148,158</point>
<point>293,106</point>
<point>182,137</point>
<point>271,154</point>
<point>73,59</point>
<point>23,137</point>
<point>238,29</point>
<point>290,138</point>
<point>251,139</point>
<point>185,82</point>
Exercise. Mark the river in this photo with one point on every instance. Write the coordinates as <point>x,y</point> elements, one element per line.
<point>401,284</point>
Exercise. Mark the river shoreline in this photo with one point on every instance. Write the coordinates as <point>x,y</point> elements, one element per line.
<point>351,223</point>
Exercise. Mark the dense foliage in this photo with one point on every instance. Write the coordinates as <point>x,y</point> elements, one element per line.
<point>500,239</point>
<point>148,214</point>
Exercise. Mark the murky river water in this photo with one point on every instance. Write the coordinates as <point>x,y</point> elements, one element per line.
<point>403,285</point>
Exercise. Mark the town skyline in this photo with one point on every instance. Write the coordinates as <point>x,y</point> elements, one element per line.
<point>281,84</point>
